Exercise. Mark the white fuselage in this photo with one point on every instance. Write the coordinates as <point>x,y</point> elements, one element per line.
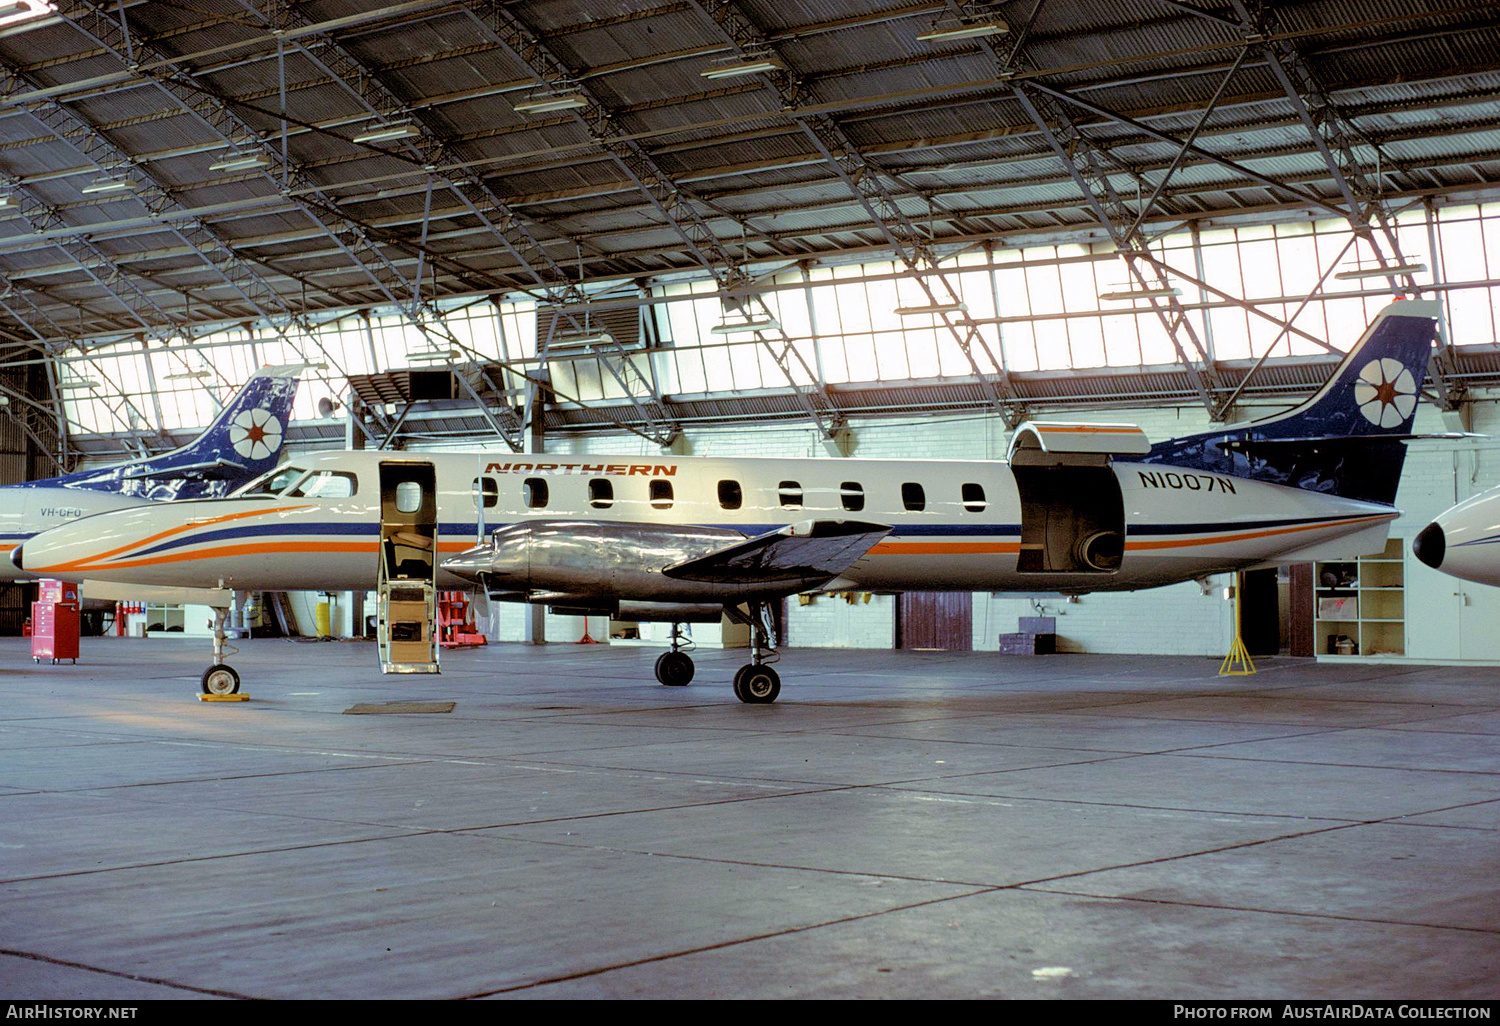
<point>1465,541</point>
<point>967,535</point>
<point>29,511</point>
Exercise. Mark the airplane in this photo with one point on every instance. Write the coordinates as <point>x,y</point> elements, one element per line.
<point>243,442</point>
<point>1076,508</point>
<point>1462,541</point>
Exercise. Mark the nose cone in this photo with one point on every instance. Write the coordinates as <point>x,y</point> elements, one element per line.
<point>1430,546</point>
<point>470,563</point>
<point>15,557</point>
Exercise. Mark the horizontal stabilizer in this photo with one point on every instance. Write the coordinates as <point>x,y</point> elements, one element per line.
<point>210,470</point>
<point>1274,446</point>
<point>811,551</point>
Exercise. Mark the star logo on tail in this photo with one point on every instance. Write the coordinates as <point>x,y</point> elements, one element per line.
<point>255,434</point>
<point>1386,392</point>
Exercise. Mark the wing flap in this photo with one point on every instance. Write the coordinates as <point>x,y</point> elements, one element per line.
<point>808,552</point>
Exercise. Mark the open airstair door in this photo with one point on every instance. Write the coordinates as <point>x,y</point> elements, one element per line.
<point>407,580</point>
<point>1072,514</point>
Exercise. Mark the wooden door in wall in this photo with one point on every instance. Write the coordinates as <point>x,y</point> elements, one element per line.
<point>935,619</point>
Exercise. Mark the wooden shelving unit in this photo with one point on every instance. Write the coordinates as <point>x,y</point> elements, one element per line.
<point>1359,605</point>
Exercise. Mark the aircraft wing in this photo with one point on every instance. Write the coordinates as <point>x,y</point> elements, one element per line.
<point>208,470</point>
<point>811,551</point>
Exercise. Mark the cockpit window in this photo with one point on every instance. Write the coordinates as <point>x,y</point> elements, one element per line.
<point>324,484</point>
<point>273,482</point>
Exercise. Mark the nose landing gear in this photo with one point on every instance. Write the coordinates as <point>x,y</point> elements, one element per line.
<point>675,668</point>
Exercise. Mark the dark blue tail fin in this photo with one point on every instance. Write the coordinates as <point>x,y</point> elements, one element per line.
<point>1347,439</point>
<point>243,442</point>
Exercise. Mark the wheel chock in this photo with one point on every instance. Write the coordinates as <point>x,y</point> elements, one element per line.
<point>238,696</point>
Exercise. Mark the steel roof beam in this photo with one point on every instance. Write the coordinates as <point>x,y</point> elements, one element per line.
<point>351,238</point>
<point>675,204</point>
<point>367,87</point>
<point>864,181</point>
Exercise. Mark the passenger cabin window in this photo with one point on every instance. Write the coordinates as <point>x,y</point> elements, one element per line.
<point>489,488</point>
<point>661,494</point>
<point>408,496</point>
<point>913,497</point>
<point>601,493</point>
<point>730,496</point>
<point>973,496</point>
<point>325,484</point>
<point>853,495</point>
<point>791,494</point>
<point>534,492</point>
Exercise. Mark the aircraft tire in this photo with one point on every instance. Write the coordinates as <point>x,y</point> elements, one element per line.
<point>674,669</point>
<point>221,679</point>
<point>756,685</point>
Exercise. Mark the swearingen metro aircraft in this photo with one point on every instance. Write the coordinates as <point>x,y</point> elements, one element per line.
<point>243,442</point>
<point>1076,508</point>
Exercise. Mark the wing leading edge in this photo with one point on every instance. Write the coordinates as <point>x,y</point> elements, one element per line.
<point>808,551</point>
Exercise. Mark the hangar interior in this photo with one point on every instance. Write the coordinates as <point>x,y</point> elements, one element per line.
<point>553,228</point>
<point>864,228</point>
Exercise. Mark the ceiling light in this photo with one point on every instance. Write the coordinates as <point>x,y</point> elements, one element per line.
<point>935,308</point>
<point>386,133</point>
<point>1128,294</point>
<point>241,162</point>
<point>17,13</point>
<point>753,66</point>
<point>107,185</point>
<point>547,104</point>
<point>433,356</point>
<point>10,202</point>
<point>188,374</point>
<point>1380,272</point>
<point>79,383</point>
<point>764,324</point>
<point>964,30</point>
<point>596,339</point>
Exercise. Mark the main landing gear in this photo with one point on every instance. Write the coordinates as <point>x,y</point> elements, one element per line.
<point>756,683</point>
<point>675,668</point>
<point>220,678</point>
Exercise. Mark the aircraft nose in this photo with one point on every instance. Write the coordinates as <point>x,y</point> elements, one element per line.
<point>15,557</point>
<point>1430,546</point>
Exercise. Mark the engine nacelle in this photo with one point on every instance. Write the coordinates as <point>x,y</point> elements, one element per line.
<point>600,566</point>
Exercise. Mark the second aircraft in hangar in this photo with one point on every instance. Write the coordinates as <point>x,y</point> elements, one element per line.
<point>1076,508</point>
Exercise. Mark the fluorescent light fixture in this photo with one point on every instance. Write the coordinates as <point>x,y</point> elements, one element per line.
<point>1129,294</point>
<point>386,133</point>
<point>598,338</point>
<point>241,162</point>
<point>189,374</point>
<point>18,13</point>
<point>78,383</point>
<point>433,356</point>
<point>107,185</point>
<point>935,308</point>
<point>1380,272</point>
<point>754,66</point>
<point>10,202</point>
<point>764,324</point>
<point>964,30</point>
<point>547,104</point>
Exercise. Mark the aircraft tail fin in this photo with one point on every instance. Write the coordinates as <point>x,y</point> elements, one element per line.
<point>1347,439</point>
<point>244,441</point>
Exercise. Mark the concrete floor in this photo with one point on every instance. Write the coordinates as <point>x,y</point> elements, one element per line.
<point>904,824</point>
